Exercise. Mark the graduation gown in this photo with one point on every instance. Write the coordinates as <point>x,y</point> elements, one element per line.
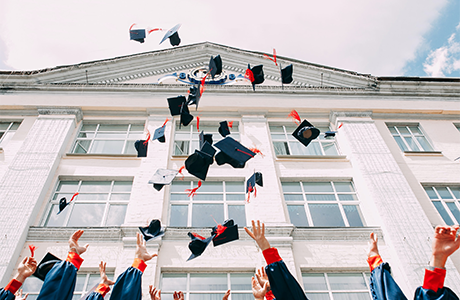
<point>129,283</point>
<point>433,287</point>
<point>382,284</point>
<point>99,293</point>
<point>282,283</point>
<point>60,281</point>
<point>8,292</point>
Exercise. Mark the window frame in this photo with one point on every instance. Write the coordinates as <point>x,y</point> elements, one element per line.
<point>412,136</point>
<point>444,201</point>
<point>8,131</point>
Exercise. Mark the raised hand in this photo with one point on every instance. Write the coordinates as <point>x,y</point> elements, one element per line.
<point>445,243</point>
<point>73,243</point>
<point>258,234</point>
<point>262,277</point>
<point>18,295</point>
<point>26,268</point>
<point>155,294</point>
<point>178,296</point>
<point>104,278</point>
<point>258,291</point>
<point>226,295</point>
<point>373,249</point>
<point>141,249</point>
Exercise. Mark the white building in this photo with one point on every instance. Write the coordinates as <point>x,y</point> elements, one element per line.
<point>390,169</point>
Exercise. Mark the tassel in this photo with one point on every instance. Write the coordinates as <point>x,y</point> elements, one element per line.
<point>295,115</point>
<point>249,75</point>
<point>147,139</point>
<point>132,26</point>
<point>32,250</point>
<point>192,192</point>
<point>74,195</point>
<point>152,30</point>
<point>272,59</point>
<point>255,191</point>
<point>230,124</point>
<point>198,236</point>
<point>244,152</point>
<point>198,123</point>
<point>257,151</point>
<point>165,122</point>
<point>180,171</point>
<point>341,124</point>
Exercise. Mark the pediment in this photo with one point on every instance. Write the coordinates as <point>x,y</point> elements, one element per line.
<point>171,65</point>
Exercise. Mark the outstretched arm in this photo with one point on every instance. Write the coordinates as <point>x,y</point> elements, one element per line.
<point>26,268</point>
<point>445,243</point>
<point>258,234</point>
<point>259,291</point>
<point>373,256</point>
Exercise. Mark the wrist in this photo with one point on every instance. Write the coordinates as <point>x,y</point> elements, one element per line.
<point>438,261</point>
<point>263,244</point>
<point>20,277</point>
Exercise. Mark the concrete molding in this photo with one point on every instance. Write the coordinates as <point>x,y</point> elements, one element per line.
<point>51,111</point>
<point>351,116</point>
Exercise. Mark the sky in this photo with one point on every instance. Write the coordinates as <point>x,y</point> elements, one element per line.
<point>382,38</point>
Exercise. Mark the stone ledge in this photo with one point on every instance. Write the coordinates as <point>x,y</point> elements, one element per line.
<point>423,153</point>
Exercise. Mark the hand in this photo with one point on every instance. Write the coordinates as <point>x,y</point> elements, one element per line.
<point>73,243</point>
<point>226,295</point>
<point>258,291</point>
<point>373,249</point>
<point>141,249</point>
<point>18,295</point>
<point>26,268</point>
<point>258,234</point>
<point>104,278</point>
<point>445,243</point>
<point>178,296</point>
<point>155,294</point>
<point>262,277</point>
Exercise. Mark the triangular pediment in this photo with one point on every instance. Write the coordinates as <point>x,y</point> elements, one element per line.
<point>171,65</point>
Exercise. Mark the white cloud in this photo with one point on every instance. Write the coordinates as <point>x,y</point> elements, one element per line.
<point>444,60</point>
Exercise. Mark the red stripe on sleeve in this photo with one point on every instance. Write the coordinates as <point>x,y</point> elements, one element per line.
<point>102,289</point>
<point>13,286</point>
<point>269,295</point>
<point>434,280</point>
<point>374,261</point>
<point>75,259</point>
<point>139,264</point>
<point>271,255</point>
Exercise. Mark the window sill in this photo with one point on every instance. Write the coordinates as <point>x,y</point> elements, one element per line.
<point>98,155</point>
<point>423,153</point>
<point>312,157</point>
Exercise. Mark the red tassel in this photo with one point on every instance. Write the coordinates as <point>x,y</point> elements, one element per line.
<point>272,59</point>
<point>341,124</point>
<point>165,122</point>
<point>249,75</point>
<point>192,192</point>
<point>155,29</point>
<point>198,236</point>
<point>230,124</point>
<point>255,192</point>
<point>32,250</point>
<point>198,123</point>
<point>147,139</point>
<point>74,195</point>
<point>180,171</point>
<point>257,151</point>
<point>131,26</point>
<point>244,152</point>
<point>295,115</point>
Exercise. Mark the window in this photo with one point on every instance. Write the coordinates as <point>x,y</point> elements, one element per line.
<point>99,203</point>
<point>7,130</point>
<point>186,139</point>
<point>108,138</point>
<point>322,204</point>
<point>336,286</point>
<point>85,282</point>
<point>214,200</point>
<point>207,286</point>
<point>286,144</point>
<point>446,200</point>
<point>410,138</point>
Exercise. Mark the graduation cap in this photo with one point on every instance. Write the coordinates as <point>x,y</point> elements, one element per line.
<point>256,178</point>
<point>232,153</point>
<point>159,134</point>
<point>137,35</point>
<point>198,164</point>
<point>205,138</point>
<point>255,75</point>
<point>45,265</point>
<point>198,244</point>
<point>194,95</point>
<point>162,177</point>
<point>185,116</point>
<point>225,233</point>
<point>173,36</point>
<point>175,104</point>
<point>223,128</point>
<point>330,134</point>
<point>63,203</point>
<point>286,74</point>
<point>141,147</point>
<point>305,133</point>
<point>215,66</point>
<point>209,150</point>
<point>152,231</point>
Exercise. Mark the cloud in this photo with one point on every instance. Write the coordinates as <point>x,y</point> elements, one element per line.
<point>444,60</point>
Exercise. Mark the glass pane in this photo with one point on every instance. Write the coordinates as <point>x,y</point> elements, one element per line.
<point>107,147</point>
<point>64,195</point>
<point>4,125</point>
<point>208,197</point>
<point>32,285</point>
<point>274,128</point>
<point>281,148</point>
<point>89,135</point>
<point>116,215</point>
<point>179,197</point>
<point>343,187</point>
<point>415,130</point>
<point>431,193</point>
<point>236,197</point>
<point>130,148</point>
<point>106,127</point>
<point>317,187</point>
<point>326,215</point>
<point>203,214</point>
<point>348,197</point>
<point>443,212</point>
<point>291,187</point>
<point>403,130</point>
<point>424,143</point>
<point>166,296</point>
<point>353,215</point>
<point>318,296</point>
<point>15,125</point>
<point>293,197</point>
<point>206,296</point>
<point>137,127</point>
<point>80,284</point>
<point>241,282</point>
<point>234,186</point>
<point>67,186</point>
<point>444,193</point>
<point>54,219</point>
<point>298,149</point>
<point>237,213</point>
<point>179,215</point>
<point>82,146</point>
<point>297,215</point>
<point>180,186</point>
<point>181,147</point>
<point>86,215</point>
<point>173,282</point>
<point>242,297</point>
<point>278,137</point>
<point>401,143</point>
<point>347,281</point>
<point>120,197</point>
<point>320,197</point>
<point>208,282</point>
<point>330,149</point>
<point>94,279</point>
<point>111,135</point>
<point>314,148</point>
<point>95,186</point>
<point>314,282</point>
<point>412,145</point>
<point>211,187</point>
<point>392,130</point>
<point>83,196</point>
<point>454,209</point>
<point>351,296</point>
<point>88,127</point>
<point>456,192</point>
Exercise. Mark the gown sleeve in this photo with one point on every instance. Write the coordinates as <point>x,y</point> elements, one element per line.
<point>60,281</point>
<point>8,292</point>
<point>382,284</point>
<point>433,287</point>
<point>99,293</point>
<point>282,283</point>
<point>129,283</point>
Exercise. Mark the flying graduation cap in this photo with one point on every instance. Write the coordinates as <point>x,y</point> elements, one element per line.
<point>329,134</point>
<point>255,75</point>
<point>194,95</point>
<point>198,244</point>
<point>233,153</point>
<point>159,133</point>
<point>215,66</point>
<point>152,231</point>
<point>141,147</point>
<point>162,177</point>
<point>63,203</point>
<point>177,106</point>
<point>225,233</point>
<point>306,132</point>
<point>286,74</point>
<point>256,178</point>
<point>205,138</point>
<point>137,35</point>
<point>224,128</point>
<point>173,36</point>
<point>198,163</point>
<point>45,265</point>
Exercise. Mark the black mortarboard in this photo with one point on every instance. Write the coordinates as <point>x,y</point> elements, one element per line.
<point>194,95</point>
<point>209,151</point>
<point>329,134</point>
<point>286,74</point>
<point>185,116</point>
<point>45,265</point>
<point>152,231</point>
<point>172,35</point>
<point>223,128</point>
<point>141,147</point>
<point>159,134</point>
<point>62,204</point>
<point>175,105</point>
<point>198,164</point>
<point>229,234</point>
<point>205,138</point>
<point>162,177</point>
<point>137,35</point>
<point>232,153</point>
<point>256,178</point>
<point>258,75</point>
<point>215,66</point>
<point>306,132</point>
<point>197,245</point>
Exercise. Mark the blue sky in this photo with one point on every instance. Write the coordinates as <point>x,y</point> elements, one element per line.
<point>382,38</point>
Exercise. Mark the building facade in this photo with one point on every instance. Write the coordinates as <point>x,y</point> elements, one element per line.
<point>390,169</point>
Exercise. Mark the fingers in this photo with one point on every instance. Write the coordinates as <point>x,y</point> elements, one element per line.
<point>264,275</point>
<point>139,241</point>
<point>76,235</point>
<point>250,233</point>
<point>151,290</point>
<point>266,286</point>
<point>25,297</point>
